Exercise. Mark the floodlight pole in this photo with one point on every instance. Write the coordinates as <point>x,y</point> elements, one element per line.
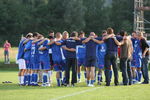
<point>139,15</point>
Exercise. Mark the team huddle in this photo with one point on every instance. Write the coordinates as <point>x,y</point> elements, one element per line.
<point>38,57</point>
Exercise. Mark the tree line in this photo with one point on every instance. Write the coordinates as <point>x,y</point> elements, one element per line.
<point>18,17</point>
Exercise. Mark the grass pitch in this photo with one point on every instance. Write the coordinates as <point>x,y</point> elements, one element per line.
<point>12,91</point>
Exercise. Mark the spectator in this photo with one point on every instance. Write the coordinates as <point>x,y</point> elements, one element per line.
<point>6,46</point>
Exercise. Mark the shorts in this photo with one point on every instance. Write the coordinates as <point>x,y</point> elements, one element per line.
<point>21,63</point>
<point>136,62</point>
<point>100,63</point>
<point>81,62</point>
<point>45,65</point>
<point>57,67</point>
<point>60,66</point>
<point>89,62</point>
<point>28,64</point>
<point>35,65</point>
<point>6,53</point>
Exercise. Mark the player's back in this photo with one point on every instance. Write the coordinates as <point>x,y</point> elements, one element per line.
<point>137,51</point>
<point>27,52</point>
<point>21,50</point>
<point>80,51</point>
<point>57,55</point>
<point>44,53</point>
<point>34,51</point>
<point>101,50</point>
<point>91,48</point>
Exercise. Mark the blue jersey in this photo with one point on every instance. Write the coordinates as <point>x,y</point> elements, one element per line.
<point>91,48</point>
<point>81,51</point>
<point>101,51</point>
<point>20,50</point>
<point>137,51</point>
<point>44,53</point>
<point>34,52</point>
<point>70,43</point>
<point>56,53</point>
<point>27,53</point>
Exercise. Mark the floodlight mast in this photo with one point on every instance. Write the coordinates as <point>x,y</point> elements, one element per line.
<point>139,15</point>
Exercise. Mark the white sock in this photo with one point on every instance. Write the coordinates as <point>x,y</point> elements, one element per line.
<point>49,74</point>
<point>19,77</point>
<point>22,79</point>
<point>40,76</point>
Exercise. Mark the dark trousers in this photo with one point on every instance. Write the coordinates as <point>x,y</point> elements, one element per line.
<point>111,59</point>
<point>145,69</point>
<point>71,63</point>
<point>126,71</point>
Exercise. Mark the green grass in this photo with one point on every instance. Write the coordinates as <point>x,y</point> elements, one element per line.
<point>8,72</point>
<point>14,92</point>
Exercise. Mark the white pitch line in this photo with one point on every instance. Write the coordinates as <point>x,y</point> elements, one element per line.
<point>76,93</point>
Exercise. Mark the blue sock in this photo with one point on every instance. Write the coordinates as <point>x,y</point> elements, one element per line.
<point>88,82</point>
<point>92,81</point>
<point>139,75</point>
<point>25,79</point>
<point>35,78</point>
<point>85,74</point>
<point>64,80</point>
<point>29,79</point>
<point>58,81</point>
<point>110,75</point>
<point>79,75</point>
<point>32,81</point>
<point>60,73</point>
<point>44,77</point>
<point>98,77</point>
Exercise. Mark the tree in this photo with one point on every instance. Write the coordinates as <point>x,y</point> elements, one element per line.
<point>95,17</point>
<point>122,15</point>
<point>147,15</point>
<point>74,15</point>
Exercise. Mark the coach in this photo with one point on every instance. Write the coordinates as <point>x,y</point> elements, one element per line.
<point>126,51</point>
<point>145,58</point>
<point>111,56</point>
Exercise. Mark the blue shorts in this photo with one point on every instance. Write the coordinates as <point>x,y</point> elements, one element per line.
<point>100,63</point>
<point>56,60</point>
<point>60,66</point>
<point>45,64</point>
<point>28,64</point>
<point>136,62</point>
<point>35,65</point>
<point>90,62</point>
<point>81,61</point>
<point>57,67</point>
